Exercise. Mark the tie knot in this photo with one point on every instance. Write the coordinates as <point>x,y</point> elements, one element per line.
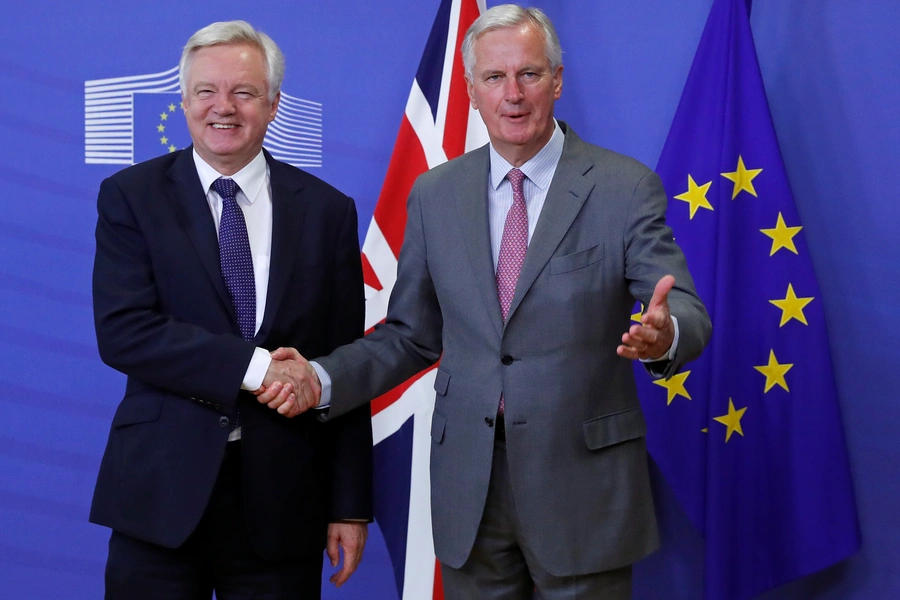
<point>227,188</point>
<point>516,177</point>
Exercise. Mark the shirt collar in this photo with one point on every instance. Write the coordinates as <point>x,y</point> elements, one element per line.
<point>250,179</point>
<point>539,168</point>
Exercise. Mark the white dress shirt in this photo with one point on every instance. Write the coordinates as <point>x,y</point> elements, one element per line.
<point>538,172</point>
<point>255,200</point>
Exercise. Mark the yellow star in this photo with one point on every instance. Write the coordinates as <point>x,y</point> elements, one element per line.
<point>792,307</point>
<point>171,108</point>
<point>774,372</point>
<point>182,104</point>
<point>742,178</point>
<point>163,140</point>
<point>782,236</point>
<point>674,386</point>
<point>160,128</point>
<point>172,148</point>
<point>164,116</point>
<point>732,421</point>
<point>637,316</point>
<point>696,196</point>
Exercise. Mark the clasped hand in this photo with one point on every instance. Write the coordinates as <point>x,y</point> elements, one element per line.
<point>291,386</point>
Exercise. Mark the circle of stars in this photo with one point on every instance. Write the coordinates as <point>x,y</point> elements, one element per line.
<point>161,128</point>
<point>791,305</point>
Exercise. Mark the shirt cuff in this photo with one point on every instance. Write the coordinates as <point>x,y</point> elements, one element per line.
<point>256,370</point>
<point>325,381</point>
<point>670,355</point>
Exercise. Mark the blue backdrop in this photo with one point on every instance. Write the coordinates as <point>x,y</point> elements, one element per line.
<point>832,76</point>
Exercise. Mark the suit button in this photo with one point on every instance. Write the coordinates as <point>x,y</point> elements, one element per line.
<point>224,421</point>
<point>489,421</point>
<point>507,360</point>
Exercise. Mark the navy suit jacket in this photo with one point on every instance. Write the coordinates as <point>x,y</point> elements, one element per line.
<point>164,318</point>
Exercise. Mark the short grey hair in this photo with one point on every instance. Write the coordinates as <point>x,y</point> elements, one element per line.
<point>510,15</point>
<point>235,32</point>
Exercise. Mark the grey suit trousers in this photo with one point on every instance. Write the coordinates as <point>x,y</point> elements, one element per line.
<point>503,567</point>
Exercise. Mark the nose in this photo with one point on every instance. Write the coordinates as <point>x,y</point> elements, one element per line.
<point>224,104</point>
<point>513,90</point>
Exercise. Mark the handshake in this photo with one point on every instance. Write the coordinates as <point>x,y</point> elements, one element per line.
<point>291,385</point>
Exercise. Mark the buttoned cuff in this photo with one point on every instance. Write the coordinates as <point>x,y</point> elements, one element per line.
<point>670,355</point>
<point>325,381</point>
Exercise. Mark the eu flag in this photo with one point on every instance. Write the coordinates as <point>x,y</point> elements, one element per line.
<point>159,125</point>
<point>750,438</point>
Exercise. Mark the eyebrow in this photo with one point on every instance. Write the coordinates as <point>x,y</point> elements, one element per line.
<point>241,86</point>
<point>524,69</point>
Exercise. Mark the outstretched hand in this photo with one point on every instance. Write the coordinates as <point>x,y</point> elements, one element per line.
<point>654,336</point>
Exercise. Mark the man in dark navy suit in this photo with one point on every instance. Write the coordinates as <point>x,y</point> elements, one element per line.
<point>207,259</point>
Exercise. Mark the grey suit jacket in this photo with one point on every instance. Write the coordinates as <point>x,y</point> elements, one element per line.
<point>575,431</point>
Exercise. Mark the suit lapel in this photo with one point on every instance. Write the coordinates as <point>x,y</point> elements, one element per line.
<point>567,194</point>
<point>288,211</point>
<point>187,194</point>
<point>471,199</point>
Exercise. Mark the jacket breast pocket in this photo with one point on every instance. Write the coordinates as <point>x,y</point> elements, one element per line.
<point>614,428</point>
<point>576,261</point>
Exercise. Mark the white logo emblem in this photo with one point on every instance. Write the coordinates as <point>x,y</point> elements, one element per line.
<point>131,119</point>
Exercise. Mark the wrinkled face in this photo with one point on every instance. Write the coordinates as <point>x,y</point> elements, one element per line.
<point>227,105</point>
<point>514,90</point>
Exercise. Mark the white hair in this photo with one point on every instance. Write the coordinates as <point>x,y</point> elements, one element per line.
<point>235,32</point>
<point>510,15</point>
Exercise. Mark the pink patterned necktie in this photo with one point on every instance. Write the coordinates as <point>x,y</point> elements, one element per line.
<point>513,246</point>
<point>514,243</point>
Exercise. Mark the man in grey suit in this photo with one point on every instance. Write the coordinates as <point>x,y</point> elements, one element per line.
<point>522,286</point>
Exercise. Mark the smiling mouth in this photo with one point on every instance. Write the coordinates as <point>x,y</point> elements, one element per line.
<point>223,126</point>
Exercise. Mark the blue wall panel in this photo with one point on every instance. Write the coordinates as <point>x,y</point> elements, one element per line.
<point>833,81</point>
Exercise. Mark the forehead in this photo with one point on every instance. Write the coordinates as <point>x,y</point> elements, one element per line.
<point>242,61</point>
<point>513,46</point>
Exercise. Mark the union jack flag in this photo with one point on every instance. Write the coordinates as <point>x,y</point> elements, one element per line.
<point>438,125</point>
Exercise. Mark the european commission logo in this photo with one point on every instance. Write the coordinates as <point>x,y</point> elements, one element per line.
<point>131,119</point>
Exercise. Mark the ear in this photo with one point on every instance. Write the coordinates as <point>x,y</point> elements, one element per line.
<point>470,89</point>
<point>557,82</point>
<point>274,109</point>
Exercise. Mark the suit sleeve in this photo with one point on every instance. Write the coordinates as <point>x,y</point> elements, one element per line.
<point>135,335</point>
<point>408,341</point>
<point>650,254</point>
<point>351,469</point>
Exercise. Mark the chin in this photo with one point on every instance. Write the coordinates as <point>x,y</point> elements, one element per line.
<point>521,139</point>
<point>225,149</point>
